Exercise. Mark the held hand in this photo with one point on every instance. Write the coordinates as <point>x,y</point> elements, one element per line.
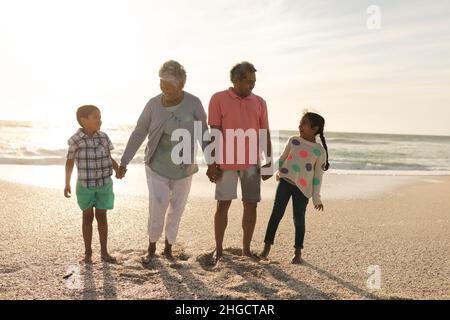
<point>211,172</point>
<point>214,173</point>
<point>67,192</point>
<point>120,173</point>
<point>264,169</point>
<point>319,207</point>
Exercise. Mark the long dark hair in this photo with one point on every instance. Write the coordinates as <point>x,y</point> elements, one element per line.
<point>316,120</point>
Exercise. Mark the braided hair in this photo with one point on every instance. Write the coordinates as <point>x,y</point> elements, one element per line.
<point>317,120</point>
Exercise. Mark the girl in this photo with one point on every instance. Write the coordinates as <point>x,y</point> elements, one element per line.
<point>302,164</point>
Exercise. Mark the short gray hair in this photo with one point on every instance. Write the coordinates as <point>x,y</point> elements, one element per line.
<point>239,70</point>
<point>173,71</point>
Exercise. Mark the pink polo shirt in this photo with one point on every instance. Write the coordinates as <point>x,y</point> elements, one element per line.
<point>229,111</point>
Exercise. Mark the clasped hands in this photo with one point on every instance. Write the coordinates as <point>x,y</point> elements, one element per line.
<point>214,172</point>
<point>121,171</point>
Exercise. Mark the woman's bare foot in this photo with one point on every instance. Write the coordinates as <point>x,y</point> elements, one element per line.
<point>151,252</point>
<point>168,251</point>
<point>265,251</point>
<point>147,259</point>
<point>106,257</point>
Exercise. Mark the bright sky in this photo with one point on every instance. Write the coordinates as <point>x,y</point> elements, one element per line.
<point>57,55</point>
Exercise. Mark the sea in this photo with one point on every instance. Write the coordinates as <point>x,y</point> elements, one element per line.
<point>39,143</point>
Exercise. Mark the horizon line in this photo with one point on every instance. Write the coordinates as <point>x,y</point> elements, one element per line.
<point>271,129</point>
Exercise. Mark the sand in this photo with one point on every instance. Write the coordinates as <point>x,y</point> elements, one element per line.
<point>404,231</point>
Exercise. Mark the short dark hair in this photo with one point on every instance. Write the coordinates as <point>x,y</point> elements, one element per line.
<point>85,111</point>
<point>239,70</point>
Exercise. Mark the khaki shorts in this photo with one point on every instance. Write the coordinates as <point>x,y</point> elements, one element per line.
<point>226,186</point>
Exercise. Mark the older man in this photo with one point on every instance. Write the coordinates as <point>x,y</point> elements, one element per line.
<point>233,112</point>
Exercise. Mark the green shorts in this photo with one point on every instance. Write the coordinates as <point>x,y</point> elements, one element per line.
<point>99,197</point>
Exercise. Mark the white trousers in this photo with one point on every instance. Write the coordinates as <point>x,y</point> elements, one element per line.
<point>165,196</point>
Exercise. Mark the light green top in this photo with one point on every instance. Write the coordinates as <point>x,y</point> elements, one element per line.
<point>161,161</point>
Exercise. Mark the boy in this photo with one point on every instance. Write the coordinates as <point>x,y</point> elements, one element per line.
<point>91,150</point>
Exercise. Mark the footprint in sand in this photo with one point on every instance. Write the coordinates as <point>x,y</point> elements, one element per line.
<point>183,256</point>
<point>137,278</point>
<point>206,261</point>
<point>9,269</point>
<point>234,251</point>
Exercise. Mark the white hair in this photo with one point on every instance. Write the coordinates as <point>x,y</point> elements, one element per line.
<point>173,71</point>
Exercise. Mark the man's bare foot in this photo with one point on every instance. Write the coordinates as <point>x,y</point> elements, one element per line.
<point>218,255</point>
<point>106,257</point>
<point>264,254</point>
<point>250,255</point>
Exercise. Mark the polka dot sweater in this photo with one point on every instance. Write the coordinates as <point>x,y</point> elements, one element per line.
<point>301,164</point>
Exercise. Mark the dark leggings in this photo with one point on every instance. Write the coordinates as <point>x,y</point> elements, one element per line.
<point>299,202</point>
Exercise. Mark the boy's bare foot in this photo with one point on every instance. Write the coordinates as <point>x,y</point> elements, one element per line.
<point>264,254</point>
<point>87,257</point>
<point>106,257</point>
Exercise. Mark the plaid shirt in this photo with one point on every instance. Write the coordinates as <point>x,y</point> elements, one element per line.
<point>93,158</point>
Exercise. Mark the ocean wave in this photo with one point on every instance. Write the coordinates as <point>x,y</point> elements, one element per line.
<point>347,151</point>
<point>357,142</point>
<point>33,161</point>
<point>16,124</point>
<point>380,166</point>
<point>36,160</point>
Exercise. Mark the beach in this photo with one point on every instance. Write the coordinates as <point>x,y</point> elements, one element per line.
<point>397,225</point>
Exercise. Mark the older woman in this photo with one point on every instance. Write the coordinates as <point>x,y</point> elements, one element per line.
<point>168,182</point>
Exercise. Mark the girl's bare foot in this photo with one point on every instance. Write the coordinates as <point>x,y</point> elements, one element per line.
<point>265,251</point>
<point>297,259</point>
